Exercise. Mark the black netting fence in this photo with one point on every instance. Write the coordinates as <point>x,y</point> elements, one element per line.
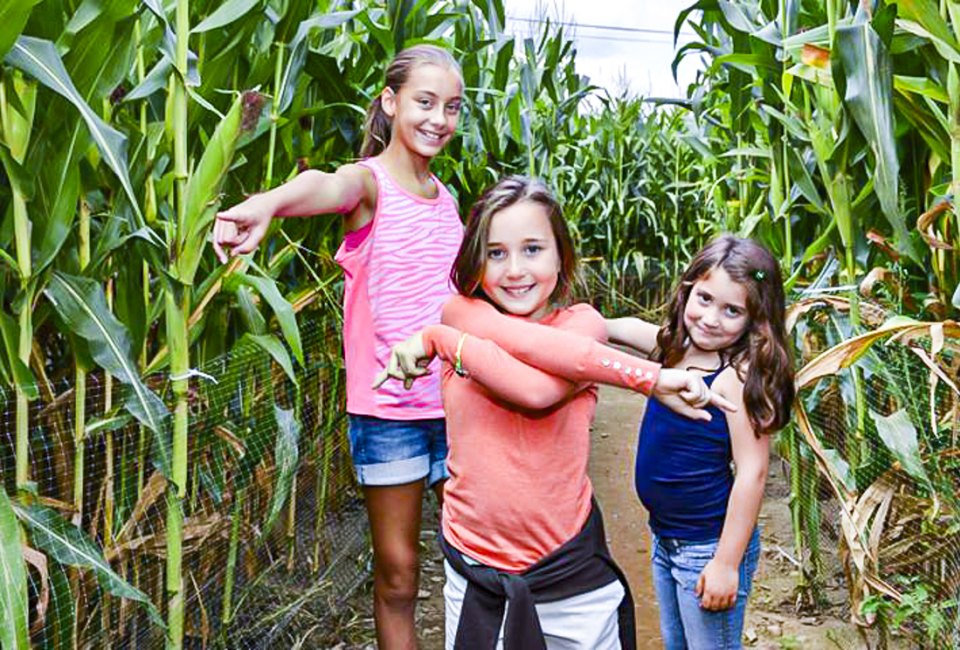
<point>875,467</point>
<point>274,533</point>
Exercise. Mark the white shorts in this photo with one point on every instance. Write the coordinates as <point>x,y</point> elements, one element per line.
<point>584,622</point>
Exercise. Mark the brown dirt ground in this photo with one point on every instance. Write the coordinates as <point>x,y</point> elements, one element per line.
<point>773,622</point>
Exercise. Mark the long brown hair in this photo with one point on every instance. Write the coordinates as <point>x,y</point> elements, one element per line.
<point>768,389</point>
<point>468,269</point>
<point>376,126</point>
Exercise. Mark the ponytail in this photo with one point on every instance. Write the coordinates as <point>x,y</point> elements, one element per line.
<point>376,130</point>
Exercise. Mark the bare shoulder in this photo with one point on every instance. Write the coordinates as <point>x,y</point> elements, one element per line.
<point>729,384</point>
<point>359,184</point>
<point>358,178</point>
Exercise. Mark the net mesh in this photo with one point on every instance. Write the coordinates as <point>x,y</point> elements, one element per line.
<point>275,535</point>
<point>274,532</point>
<point>873,452</point>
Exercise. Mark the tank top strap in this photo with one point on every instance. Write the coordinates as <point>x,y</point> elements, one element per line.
<point>379,173</point>
<point>385,182</point>
<point>709,378</point>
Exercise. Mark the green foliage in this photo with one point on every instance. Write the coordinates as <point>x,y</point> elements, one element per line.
<point>920,611</point>
<point>143,132</point>
<point>13,580</point>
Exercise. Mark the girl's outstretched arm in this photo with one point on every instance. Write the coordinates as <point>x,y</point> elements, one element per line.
<point>241,228</point>
<point>578,355</point>
<point>489,365</point>
<point>718,583</point>
<point>634,333</point>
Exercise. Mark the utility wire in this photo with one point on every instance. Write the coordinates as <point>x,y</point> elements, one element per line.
<point>625,40</point>
<point>615,28</point>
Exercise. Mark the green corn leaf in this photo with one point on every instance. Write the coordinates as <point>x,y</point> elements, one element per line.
<point>94,69</point>
<point>13,17</point>
<point>900,437</point>
<point>59,632</point>
<point>7,259</point>
<point>169,43</point>
<point>921,86</point>
<point>68,545</point>
<point>741,16</point>
<point>22,375</point>
<point>225,14</point>
<point>869,90</point>
<point>947,50</point>
<point>929,122</point>
<point>701,5</point>
<point>20,179</point>
<point>298,52</point>
<point>286,457</point>
<point>86,13</point>
<point>14,633</point>
<point>155,80</point>
<point>841,469</point>
<point>804,183</point>
<point>282,309</point>
<point>922,17</point>
<point>104,424</point>
<point>60,188</point>
<point>83,305</point>
<point>40,59</point>
<point>108,12</point>
<point>272,346</point>
<point>253,320</point>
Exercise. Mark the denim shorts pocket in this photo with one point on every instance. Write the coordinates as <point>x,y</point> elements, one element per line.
<point>689,560</point>
<point>697,554</point>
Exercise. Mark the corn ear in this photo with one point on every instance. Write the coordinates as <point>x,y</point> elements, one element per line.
<point>203,188</point>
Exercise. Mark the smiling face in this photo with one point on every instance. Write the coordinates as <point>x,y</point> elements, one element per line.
<point>715,315</point>
<point>523,264</point>
<point>425,110</point>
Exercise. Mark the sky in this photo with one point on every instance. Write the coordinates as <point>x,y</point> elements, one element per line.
<point>620,43</point>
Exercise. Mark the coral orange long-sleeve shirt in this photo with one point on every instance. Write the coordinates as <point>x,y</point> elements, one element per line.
<point>519,434</point>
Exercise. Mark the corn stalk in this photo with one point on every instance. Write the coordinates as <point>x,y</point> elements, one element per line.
<point>17,125</point>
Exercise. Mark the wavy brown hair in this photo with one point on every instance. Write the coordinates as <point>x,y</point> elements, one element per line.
<point>761,356</point>
<point>377,125</point>
<point>468,269</point>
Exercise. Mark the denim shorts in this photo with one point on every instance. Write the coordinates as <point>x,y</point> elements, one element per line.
<point>394,452</point>
<point>684,624</point>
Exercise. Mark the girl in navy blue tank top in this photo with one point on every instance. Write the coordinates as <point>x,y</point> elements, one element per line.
<point>702,482</point>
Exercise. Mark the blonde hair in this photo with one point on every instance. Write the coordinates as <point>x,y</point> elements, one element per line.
<point>377,125</point>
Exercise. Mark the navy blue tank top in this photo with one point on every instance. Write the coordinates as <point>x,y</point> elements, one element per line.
<point>683,472</point>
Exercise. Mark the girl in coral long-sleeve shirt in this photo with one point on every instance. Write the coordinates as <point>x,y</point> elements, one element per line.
<point>519,522</point>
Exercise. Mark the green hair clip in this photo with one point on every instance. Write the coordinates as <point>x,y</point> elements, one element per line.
<point>759,275</point>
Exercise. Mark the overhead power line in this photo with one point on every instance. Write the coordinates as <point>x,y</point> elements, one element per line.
<point>615,39</point>
<point>613,28</point>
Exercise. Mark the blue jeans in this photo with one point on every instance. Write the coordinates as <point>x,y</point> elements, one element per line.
<point>677,564</point>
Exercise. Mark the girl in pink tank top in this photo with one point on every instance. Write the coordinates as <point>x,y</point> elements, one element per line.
<point>402,234</point>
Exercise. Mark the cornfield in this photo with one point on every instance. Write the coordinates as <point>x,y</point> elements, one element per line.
<point>170,441</point>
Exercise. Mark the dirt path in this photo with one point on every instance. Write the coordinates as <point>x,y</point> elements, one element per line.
<point>611,469</point>
<point>772,622</point>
